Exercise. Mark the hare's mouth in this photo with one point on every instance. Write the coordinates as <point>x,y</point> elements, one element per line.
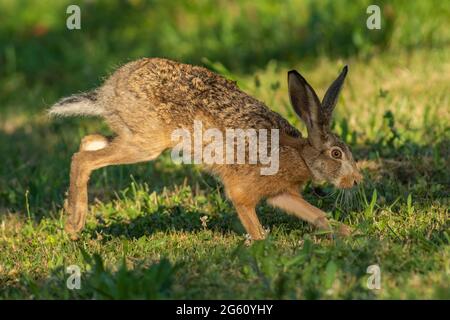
<point>346,185</point>
<point>349,181</point>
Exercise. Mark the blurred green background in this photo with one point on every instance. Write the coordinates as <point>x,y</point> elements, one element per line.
<point>144,236</point>
<point>37,50</point>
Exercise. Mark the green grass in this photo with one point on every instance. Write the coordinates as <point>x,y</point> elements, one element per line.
<point>145,237</point>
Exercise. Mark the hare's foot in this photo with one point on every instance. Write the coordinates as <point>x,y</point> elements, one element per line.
<point>251,223</point>
<point>343,230</point>
<point>75,222</point>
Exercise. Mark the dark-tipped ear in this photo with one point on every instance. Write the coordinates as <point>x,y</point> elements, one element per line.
<point>304,101</point>
<point>332,95</point>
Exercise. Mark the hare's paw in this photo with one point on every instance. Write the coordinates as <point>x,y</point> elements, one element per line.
<point>343,230</point>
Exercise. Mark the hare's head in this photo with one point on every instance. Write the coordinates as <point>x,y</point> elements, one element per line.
<point>326,155</point>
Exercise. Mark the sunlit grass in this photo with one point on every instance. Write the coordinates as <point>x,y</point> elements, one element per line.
<point>400,214</point>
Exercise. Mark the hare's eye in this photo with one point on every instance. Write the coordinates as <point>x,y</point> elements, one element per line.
<point>336,153</point>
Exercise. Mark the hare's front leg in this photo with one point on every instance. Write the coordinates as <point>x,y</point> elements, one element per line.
<point>250,221</point>
<point>96,152</point>
<point>295,204</point>
<point>245,206</point>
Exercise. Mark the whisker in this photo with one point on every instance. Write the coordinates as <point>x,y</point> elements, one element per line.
<point>331,194</point>
<point>349,199</point>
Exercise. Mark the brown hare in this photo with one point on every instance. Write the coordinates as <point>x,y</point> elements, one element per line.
<point>144,101</point>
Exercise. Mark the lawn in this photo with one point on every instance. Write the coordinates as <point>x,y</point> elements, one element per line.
<point>160,230</point>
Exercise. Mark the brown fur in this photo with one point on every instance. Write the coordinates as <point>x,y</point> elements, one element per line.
<point>145,100</point>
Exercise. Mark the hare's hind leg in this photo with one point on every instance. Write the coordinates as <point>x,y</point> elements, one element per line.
<point>96,152</point>
<point>94,142</point>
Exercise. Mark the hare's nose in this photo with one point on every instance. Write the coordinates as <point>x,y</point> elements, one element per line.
<point>357,178</point>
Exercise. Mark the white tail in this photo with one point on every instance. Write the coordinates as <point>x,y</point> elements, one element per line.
<point>83,104</point>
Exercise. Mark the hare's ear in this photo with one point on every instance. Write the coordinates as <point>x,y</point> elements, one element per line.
<point>331,97</point>
<point>306,104</point>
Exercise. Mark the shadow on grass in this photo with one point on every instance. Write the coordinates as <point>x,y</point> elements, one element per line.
<point>178,218</point>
